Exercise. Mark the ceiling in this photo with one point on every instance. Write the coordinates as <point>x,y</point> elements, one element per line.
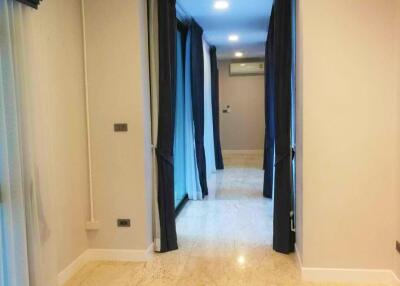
<point>246,18</point>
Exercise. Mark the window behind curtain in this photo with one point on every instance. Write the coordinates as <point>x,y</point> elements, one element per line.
<point>179,144</point>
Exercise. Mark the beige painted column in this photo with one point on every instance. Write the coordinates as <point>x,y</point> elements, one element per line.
<point>118,81</point>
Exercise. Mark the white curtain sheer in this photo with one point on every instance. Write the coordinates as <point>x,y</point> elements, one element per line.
<point>13,236</point>
<point>208,113</point>
<point>28,253</point>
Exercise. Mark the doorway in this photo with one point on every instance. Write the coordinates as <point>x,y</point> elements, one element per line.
<point>188,76</point>
<point>234,216</point>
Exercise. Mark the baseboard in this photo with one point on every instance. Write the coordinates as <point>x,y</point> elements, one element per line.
<point>133,255</point>
<point>242,152</point>
<point>72,268</point>
<point>339,275</point>
<point>396,278</point>
<point>344,275</point>
<point>298,257</point>
<point>119,254</point>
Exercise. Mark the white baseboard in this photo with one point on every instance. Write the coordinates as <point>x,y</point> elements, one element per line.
<point>339,275</point>
<point>118,254</point>
<point>72,268</point>
<point>298,257</point>
<point>134,255</point>
<point>242,152</point>
<point>344,275</point>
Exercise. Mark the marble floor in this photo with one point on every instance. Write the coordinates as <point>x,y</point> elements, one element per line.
<point>224,240</point>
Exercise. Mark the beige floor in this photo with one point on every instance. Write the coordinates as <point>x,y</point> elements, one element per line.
<point>224,240</point>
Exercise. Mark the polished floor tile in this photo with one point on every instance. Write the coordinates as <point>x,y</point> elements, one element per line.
<point>224,240</point>
<point>243,160</point>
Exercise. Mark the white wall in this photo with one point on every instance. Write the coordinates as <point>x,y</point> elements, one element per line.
<point>55,64</point>
<point>244,127</point>
<point>349,136</point>
<point>119,92</point>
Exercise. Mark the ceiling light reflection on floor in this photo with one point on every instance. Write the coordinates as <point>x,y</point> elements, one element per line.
<point>241,260</point>
<point>238,54</point>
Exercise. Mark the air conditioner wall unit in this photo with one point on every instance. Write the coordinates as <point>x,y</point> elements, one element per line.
<point>246,68</point>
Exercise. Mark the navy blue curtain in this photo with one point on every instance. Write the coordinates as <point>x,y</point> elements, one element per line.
<point>167,24</point>
<point>32,3</point>
<point>219,162</point>
<point>269,145</point>
<point>284,237</point>
<point>197,81</point>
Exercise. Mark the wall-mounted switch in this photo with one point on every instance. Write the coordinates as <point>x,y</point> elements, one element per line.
<point>124,222</point>
<point>121,127</point>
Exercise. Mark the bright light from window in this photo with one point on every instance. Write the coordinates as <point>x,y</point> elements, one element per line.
<point>233,38</point>
<point>238,54</point>
<point>221,5</point>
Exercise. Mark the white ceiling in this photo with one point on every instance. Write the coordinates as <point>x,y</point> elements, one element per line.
<point>247,18</point>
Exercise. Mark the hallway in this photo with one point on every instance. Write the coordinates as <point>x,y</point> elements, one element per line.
<point>224,240</point>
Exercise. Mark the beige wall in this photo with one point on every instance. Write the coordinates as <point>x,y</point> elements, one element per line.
<point>244,127</point>
<point>396,255</point>
<point>350,133</point>
<point>118,85</point>
<point>54,60</point>
<point>119,92</point>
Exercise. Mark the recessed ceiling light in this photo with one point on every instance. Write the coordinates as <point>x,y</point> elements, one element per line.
<point>238,54</point>
<point>233,38</point>
<point>221,5</point>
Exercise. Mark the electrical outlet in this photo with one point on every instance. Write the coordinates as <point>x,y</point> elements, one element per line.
<point>120,127</point>
<point>398,246</point>
<point>124,222</point>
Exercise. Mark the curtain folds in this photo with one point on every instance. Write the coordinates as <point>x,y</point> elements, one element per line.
<point>284,237</point>
<point>193,186</point>
<point>269,145</point>
<point>167,24</point>
<point>219,162</point>
<point>154,75</point>
<point>13,234</point>
<point>208,112</point>
<point>28,255</point>
<point>197,90</point>
<point>28,220</point>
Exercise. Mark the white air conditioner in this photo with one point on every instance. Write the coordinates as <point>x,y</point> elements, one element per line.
<point>247,68</point>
